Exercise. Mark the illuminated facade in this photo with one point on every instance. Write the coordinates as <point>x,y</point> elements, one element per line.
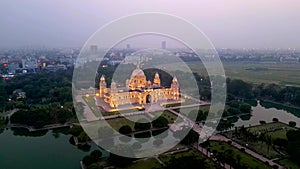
<point>138,90</point>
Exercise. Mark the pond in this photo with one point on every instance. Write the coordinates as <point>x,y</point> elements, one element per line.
<point>47,150</point>
<point>267,111</point>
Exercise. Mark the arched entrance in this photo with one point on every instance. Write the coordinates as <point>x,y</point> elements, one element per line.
<point>148,98</point>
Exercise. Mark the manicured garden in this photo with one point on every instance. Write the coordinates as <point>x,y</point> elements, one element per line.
<point>223,151</point>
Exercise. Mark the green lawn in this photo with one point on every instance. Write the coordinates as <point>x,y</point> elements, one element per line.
<point>166,158</point>
<point>288,164</point>
<point>274,129</point>
<point>147,163</point>
<point>269,126</point>
<point>168,115</point>
<point>92,104</point>
<point>280,129</point>
<point>117,123</point>
<point>186,111</point>
<point>262,148</point>
<point>247,160</point>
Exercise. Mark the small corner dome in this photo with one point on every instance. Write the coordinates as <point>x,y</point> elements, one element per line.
<point>113,83</point>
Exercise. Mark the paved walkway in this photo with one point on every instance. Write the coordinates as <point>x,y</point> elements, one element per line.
<point>219,137</point>
<point>46,127</point>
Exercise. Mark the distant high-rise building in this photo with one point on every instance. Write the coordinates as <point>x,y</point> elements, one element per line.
<point>12,67</point>
<point>163,44</point>
<point>94,49</point>
<point>29,63</point>
<point>128,46</point>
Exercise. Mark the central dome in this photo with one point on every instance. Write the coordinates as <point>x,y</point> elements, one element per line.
<point>138,73</point>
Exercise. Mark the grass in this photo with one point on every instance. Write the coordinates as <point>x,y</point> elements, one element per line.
<point>262,148</point>
<point>92,104</point>
<point>147,163</point>
<point>274,129</point>
<point>269,126</point>
<point>92,127</point>
<point>288,164</point>
<point>166,114</point>
<point>117,123</point>
<point>186,111</point>
<point>166,158</point>
<point>280,73</point>
<point>247,160</point>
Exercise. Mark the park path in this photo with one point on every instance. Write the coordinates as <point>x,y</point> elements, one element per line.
<point>46,127</point>
<point>219,137</point>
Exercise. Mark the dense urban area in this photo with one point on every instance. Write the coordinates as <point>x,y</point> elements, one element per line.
<point>36,98</point>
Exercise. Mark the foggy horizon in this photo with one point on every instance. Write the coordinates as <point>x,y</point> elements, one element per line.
<point>228,24</point>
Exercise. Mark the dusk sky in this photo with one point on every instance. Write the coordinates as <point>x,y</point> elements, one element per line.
<point>228,23</point>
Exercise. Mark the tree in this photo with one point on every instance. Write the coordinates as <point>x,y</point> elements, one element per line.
<point>95,166</point>
<point>239,88</point>
<point>63,115</point>
<point>292,124</point>
<point>269,142</point>
<point>191,137</point>
<point>125,130</point>
<point>233,111</point>
<point>187,162</point>
<point>141,125</point>
<point>160,122</point>
<point>34,117</point>
<point>3,95</point>
<point>262,122</point>
<point>280,142</point>
<point>238,160</point>
<point>293,148</point>
<point>297,98</point>
<point>88,160</point>
<point>96,153</point>
<point>121,161</point>
<point>234,104</point>
<point>245,108</point>
<point>76,130</point>
<point>83,137</point>
<point>229,157</point>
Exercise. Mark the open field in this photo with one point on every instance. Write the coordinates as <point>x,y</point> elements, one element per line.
<point>279,73</point>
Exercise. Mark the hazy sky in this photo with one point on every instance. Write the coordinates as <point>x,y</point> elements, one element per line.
<point>228,23</point>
